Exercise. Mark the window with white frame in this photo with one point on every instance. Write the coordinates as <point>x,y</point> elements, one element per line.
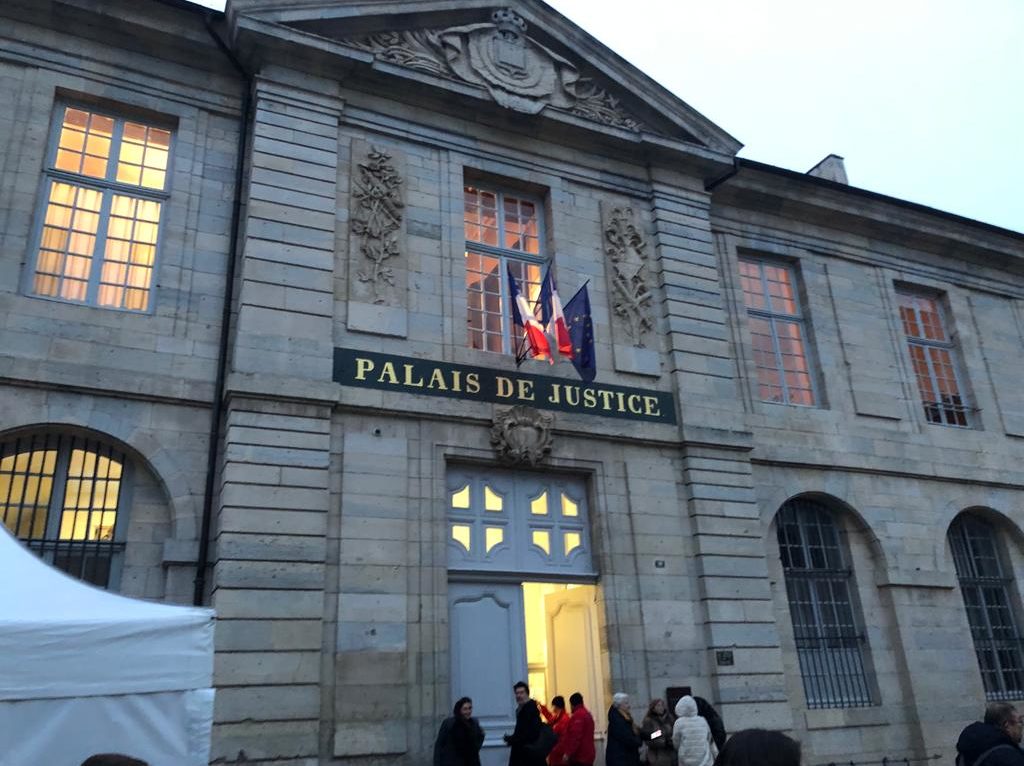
<point>62,496</point>
<point>987,585</point>
<point>830,643</point>
<point>777,332</point>
<point>503,234</point>
<point>933,355</point>
<point>105,191</point>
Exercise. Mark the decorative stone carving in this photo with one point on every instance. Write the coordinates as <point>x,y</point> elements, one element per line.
<point>626,248</point>
<point>377,217</point>
<point>522,435</point>
<point>517,71</point>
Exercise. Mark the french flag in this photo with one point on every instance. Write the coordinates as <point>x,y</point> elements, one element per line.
<point>536,341</point>
<point>553,316</point>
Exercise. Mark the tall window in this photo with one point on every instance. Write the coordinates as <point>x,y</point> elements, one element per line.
<point>61,495</point>
<point>830,644</point>
<point>106,184</point>
<point>502,230</point>
<point>777,332</point>
<point>933,355</point>
<point>986,585</point>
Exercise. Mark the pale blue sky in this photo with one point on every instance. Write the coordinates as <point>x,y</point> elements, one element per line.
<point>923,98</point>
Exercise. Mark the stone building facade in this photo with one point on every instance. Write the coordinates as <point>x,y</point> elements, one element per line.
<point>795,471</point>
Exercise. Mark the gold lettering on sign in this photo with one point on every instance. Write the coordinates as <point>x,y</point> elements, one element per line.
<point>408,377</point>
<point>651,406</point>
<point>363,366</point>
<point>472,383</point>
<point>505,387</point>
<point>633,402</point>
<point>589,398</point>
<point>437,380</point>
<point>388,371</point>
<point>525,391</point>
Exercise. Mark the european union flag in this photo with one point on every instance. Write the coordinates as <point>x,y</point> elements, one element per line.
<point>581,332</point>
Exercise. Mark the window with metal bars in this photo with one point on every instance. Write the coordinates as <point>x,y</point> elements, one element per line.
<point>830,642</point>
<point>777,332</point>
<point>61,496</point>
<point>503,234</point>
<point>106,186</point>
<point>987,589</point>
<point>933,355</point>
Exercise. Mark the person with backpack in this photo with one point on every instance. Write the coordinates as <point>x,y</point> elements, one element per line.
<point>994,741</point>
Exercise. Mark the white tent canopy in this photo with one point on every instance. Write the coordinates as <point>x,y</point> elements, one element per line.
<point>85,671</point>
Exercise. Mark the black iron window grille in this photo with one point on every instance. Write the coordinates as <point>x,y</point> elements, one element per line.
<point>60,494</point>
<point>830,644</point>
<point>986,588</point>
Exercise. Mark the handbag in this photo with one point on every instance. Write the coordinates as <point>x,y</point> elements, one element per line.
<point>545,742</point>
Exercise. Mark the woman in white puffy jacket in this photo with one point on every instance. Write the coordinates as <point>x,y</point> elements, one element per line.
<point>691,735</point>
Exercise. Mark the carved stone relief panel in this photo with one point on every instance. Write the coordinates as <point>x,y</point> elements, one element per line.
<point>627,253</point>
<point>625,247</point>
<point>378,257</point>
<point>517,71</point>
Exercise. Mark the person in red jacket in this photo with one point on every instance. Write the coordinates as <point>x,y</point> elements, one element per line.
<point>577,745</point>
<point>558,719</point>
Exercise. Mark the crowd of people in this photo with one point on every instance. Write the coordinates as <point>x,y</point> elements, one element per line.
<point>554,736</point>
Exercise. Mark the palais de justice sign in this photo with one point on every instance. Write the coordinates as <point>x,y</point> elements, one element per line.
<point>389,372</point>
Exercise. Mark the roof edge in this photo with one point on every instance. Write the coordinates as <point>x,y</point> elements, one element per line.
<point>794,175</point>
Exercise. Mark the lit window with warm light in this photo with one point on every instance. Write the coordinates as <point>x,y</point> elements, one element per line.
<point>106,188</point>
<point>62,496</point>
<point>777,332</point>
<point>503,234</point>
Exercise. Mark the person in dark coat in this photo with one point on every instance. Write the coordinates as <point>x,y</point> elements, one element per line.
<point>709,714</point>
<point>460,738</point>
<point>623,748</point>
<point>527,730</point>
<point>758,747</point>
<point>997,737</point>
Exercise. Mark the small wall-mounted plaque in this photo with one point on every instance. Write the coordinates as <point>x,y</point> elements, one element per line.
<point>723,657</point>
<point>659,563</point>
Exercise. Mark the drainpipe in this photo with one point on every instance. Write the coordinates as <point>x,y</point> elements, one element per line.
<point>213,453</point>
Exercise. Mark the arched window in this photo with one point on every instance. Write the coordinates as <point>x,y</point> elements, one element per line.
<point>827,627</point>
<point>986,584</point>
<point>61,494</point>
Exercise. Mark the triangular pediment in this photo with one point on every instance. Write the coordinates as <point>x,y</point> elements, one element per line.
<point>524,56</point>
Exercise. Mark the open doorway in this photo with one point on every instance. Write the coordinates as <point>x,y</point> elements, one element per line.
<point>544,633</point>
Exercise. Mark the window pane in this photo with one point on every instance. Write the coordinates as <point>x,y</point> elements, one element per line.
<point>84,143</point>
<point>143,157</point>
<point>64,258</point>
<point>777,344</point>
<point>26,482</point>
<point>128,286</point>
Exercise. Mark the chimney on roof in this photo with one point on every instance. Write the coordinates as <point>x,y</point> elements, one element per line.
<point>831,169</point>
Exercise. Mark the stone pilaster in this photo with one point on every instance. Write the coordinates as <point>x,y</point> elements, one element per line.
<point>725,522</point>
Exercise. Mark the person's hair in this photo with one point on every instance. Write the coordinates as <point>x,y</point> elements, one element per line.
<point>112,759</point>
<point>999,713</point>
<point>457,710</point>
<point>521,685</point>
<point>558,701</point>
<point>619,697</point>
<point>575,698</point>
<point>655,701</point>
<point>758,747</point>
